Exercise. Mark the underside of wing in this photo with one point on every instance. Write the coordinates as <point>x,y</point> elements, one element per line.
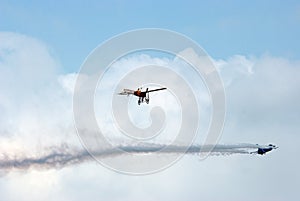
<point>157,89</point>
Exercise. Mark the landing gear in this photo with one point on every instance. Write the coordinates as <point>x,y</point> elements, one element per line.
<point>141,100</point>
<point>147,96</point>
<point>143,96</point>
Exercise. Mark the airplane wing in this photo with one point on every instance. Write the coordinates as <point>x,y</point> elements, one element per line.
<point>126,92</point>
<point>157,89</point>
<point>253,152</point>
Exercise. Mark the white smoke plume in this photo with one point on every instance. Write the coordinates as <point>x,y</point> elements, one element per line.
<point>64,155</point>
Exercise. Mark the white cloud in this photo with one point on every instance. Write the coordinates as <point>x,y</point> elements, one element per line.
<point>266,97</point>
<point>35,108</point>
<point>262,107</point>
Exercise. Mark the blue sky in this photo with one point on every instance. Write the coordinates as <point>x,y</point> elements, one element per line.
<point>222,28</point>
<point>254,45</point>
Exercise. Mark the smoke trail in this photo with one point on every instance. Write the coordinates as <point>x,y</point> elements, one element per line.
<point>64,155</point>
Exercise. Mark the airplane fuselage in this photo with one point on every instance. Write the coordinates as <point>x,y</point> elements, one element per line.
<point>262,151</point>
<point>140,93</point>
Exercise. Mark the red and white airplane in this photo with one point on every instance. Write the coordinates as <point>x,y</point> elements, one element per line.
<point>141,94</point>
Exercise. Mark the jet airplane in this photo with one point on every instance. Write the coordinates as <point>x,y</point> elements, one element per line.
<point>264,150</point>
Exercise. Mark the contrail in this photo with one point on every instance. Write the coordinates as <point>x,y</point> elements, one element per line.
<point>63,155</point>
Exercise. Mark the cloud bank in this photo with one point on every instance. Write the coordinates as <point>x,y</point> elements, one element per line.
<point>37,133</point>
<point>36,99</point>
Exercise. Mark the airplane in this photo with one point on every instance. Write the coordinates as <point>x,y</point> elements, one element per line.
<point>141,94</point>
<point>264,150</point>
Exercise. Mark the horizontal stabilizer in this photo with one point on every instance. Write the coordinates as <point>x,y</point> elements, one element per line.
<point>126,92</point>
